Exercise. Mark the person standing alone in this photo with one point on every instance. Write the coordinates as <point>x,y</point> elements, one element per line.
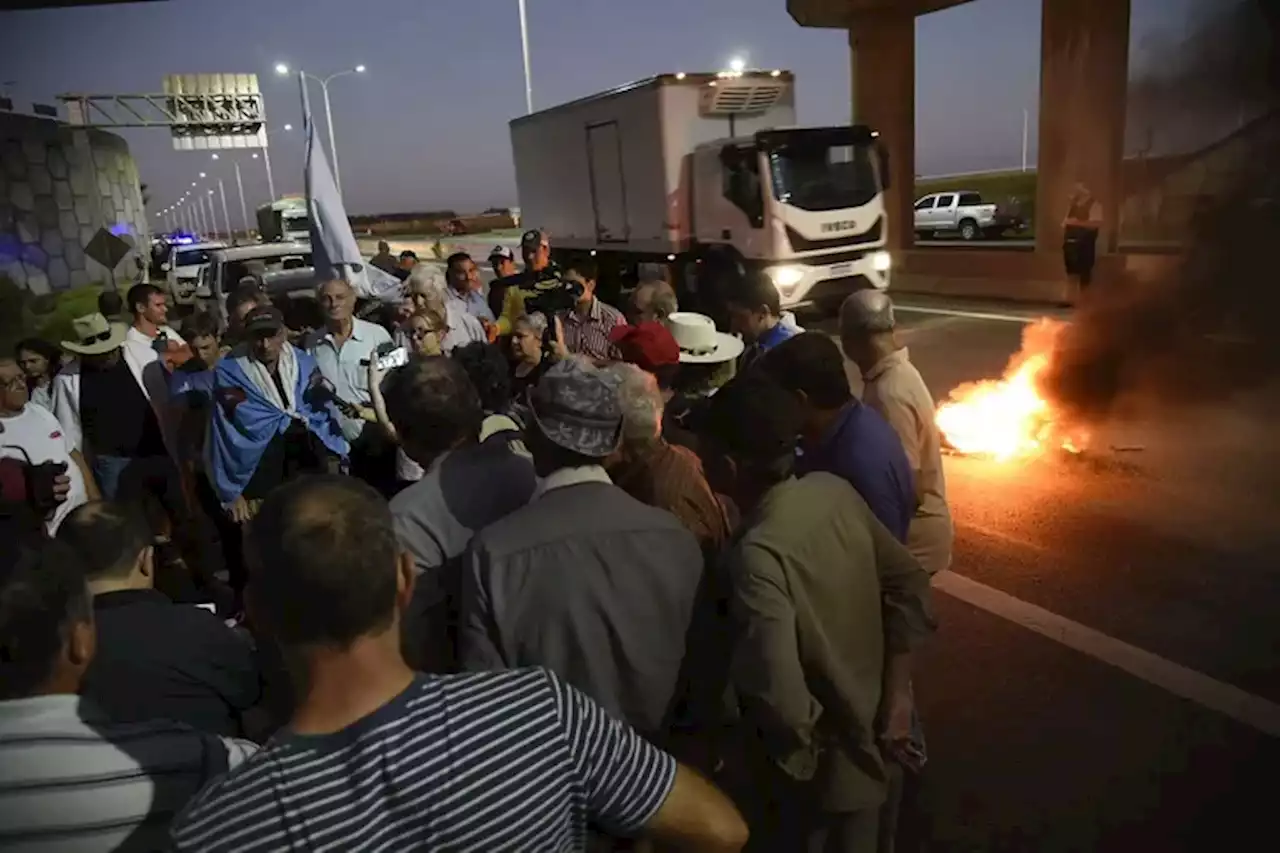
<point>1080,229</point>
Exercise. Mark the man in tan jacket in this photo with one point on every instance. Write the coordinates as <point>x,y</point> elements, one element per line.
<point>826,607</point>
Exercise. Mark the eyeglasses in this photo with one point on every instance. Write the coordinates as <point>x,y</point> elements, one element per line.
<point>17,383</point>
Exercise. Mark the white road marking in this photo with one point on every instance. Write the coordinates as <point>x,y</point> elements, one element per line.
<point>1253,711</point>
<point>970,315</point>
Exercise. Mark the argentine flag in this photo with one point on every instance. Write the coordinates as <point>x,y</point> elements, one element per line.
<point>333,247</point>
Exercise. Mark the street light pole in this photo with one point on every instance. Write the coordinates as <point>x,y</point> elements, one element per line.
<point>226,217</point>
<point>1026,137</point>
<point>244,210</point>
<point>524,47</point>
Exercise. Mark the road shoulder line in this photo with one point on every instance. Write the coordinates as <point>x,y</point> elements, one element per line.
<point>968,315</point>
<point>1226,699</point>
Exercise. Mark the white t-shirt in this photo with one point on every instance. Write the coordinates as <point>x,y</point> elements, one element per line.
<point>38,432</point>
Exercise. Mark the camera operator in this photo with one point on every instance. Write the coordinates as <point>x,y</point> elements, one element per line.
<point>55,478</point>
<point>587,326</point>
<point>539,278</point>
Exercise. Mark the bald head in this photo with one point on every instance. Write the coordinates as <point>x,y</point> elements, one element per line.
<point>327,543</point>
<point>866,312</point>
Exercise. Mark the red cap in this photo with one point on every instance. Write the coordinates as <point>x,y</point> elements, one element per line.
<point>648,345</point>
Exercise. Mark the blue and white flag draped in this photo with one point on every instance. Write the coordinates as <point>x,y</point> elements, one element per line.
<point>334,250</point>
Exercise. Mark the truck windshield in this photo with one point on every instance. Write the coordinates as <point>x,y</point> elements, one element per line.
<point>191,258</point>
<point>295,223</point>
<point>824,177</point>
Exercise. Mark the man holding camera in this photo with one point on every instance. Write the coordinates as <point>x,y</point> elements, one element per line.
<point>539,277</point>
<point>54,478</point>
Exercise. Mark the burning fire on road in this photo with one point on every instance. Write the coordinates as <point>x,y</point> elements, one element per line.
<point>1012,417</point>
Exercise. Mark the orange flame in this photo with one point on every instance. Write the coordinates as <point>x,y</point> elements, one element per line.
<point>1010,417</point>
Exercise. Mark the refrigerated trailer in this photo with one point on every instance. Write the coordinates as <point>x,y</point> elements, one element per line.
<point>707,172</point>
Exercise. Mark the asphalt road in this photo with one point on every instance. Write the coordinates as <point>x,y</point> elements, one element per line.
<point>1037,745</point>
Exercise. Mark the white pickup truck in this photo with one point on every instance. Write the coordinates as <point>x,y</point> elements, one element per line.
<point>965,213</point>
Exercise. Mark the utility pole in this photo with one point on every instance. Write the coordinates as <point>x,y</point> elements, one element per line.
<point>226,217</point>
<point>524,47</point>
<point>1026,138</point>
<point>244,210</point>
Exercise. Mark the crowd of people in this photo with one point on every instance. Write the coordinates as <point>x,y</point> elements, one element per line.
<point>559,576</point>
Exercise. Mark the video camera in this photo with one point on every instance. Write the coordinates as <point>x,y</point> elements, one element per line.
<point>553,296</point>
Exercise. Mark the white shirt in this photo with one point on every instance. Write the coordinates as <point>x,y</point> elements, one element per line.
<point>38,432</point>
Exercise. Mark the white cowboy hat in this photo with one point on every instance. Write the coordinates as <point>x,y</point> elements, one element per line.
<point>699,341</point>
<point>95,335</point>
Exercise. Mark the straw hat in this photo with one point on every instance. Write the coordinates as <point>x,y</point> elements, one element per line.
<point>699,340</point>
<point>95,335</point>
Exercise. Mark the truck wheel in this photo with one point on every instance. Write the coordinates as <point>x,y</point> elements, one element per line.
<point>969,230</point>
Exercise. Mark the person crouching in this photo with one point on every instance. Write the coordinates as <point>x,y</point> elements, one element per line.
<point>273,417</point>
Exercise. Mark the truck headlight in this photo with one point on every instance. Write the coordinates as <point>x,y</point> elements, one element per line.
<point>786,277</point>
<point>881,261</point>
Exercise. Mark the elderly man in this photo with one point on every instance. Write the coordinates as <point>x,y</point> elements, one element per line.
<point>426,291</point>
<point>651,470</point>
<point>653,300</point>
<point>271,419</point>
<point>893,387</point>
<point>585,580</point>
<point>56,478</point>
<point>342,350</point>
<point>827,607</point>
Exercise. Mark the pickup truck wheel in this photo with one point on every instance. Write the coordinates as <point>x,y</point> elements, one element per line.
<point>969,230</point>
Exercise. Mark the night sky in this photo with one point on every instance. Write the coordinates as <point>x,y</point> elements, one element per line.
<point>426,126</point>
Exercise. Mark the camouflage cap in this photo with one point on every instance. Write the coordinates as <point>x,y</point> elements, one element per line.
<point>576,407</point>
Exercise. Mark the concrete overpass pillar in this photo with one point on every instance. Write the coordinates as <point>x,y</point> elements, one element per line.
<point>1084,71</point>
<point>883,65</point>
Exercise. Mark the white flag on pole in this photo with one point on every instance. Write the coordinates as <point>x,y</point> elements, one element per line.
<point>333,247</point>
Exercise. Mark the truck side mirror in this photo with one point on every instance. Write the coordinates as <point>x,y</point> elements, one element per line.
<point>882,154</point>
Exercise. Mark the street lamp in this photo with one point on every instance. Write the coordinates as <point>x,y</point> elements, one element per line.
<point>524,50</point>
<point>303,76</point>
<point>737,65</point>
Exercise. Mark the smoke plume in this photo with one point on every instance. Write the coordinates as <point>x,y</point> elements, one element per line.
<point>1207,328</point>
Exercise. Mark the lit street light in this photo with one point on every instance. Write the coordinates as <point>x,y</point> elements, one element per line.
<point>737,65</point>
<point>282,69</point>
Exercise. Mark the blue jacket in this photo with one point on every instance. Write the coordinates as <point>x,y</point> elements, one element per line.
<point>862,448</point>
<point>245,421</point>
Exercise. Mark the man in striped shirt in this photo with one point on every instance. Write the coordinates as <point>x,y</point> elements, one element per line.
<point>71,780</point>
<point>587,327</point>
<point>378,757</point>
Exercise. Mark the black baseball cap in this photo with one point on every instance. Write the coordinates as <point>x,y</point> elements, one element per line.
<point>266,320</point>
<point>408,253</point>
<point>533,239</point>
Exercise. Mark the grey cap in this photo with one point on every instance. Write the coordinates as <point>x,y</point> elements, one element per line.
<point>576,407</point>
<point>867,311</point>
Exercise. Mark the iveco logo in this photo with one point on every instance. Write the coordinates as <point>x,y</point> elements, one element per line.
<point>843,225</point>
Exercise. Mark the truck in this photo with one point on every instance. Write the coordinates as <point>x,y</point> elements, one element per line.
<point>285,220</point>
<point>965,213</point>
<point>708,174</point>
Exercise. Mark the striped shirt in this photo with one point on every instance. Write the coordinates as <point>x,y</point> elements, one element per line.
<point>489,761</point>
<point>71,782</point>
<point>589,335</point>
